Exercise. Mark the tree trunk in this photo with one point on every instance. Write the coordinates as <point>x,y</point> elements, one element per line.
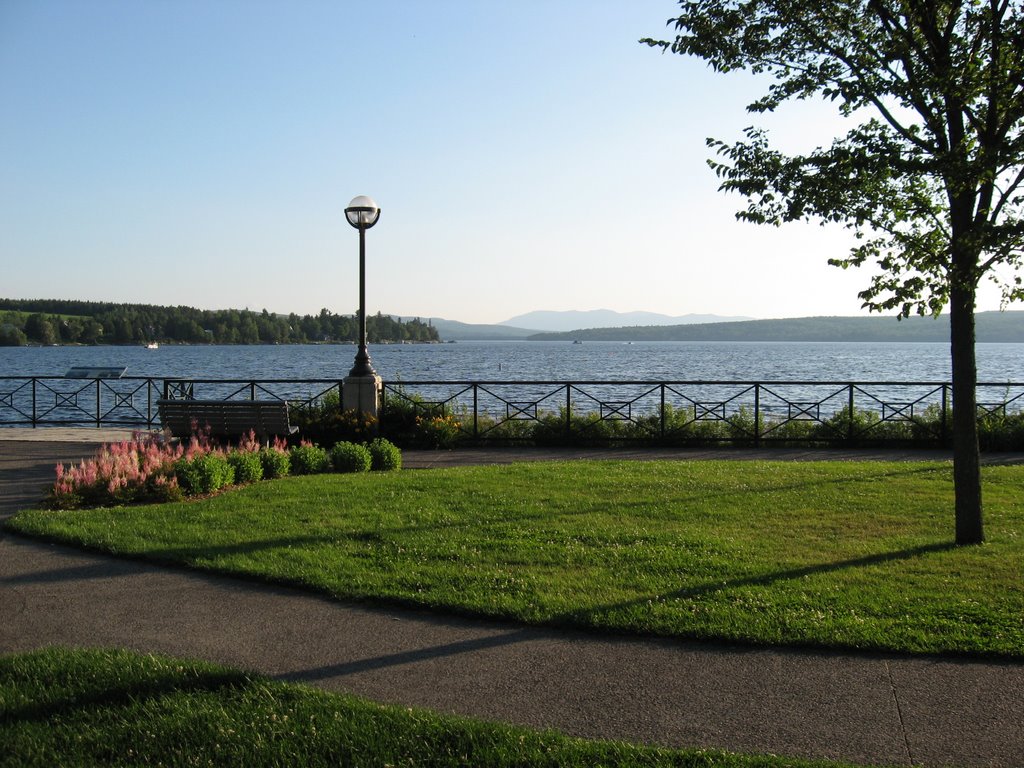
<point>966,456</point>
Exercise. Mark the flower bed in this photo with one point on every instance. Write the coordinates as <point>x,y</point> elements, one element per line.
<point>149,469</point>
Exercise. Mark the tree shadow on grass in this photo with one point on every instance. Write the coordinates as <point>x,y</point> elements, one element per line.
<point>702,495</point>
<point>121,696</point>
<point>586,616</point>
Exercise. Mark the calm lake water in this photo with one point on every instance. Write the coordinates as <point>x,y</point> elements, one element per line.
<point>549,361</point>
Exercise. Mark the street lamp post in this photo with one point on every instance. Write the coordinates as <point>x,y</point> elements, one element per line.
<point>362,213</point>
<point>361,389</point>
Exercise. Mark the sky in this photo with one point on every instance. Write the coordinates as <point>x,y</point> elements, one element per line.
<point>525,156</point>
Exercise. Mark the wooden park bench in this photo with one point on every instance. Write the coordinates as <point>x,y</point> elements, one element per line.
<point>226,418</point>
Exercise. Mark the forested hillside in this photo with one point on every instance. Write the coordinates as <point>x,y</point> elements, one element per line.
<point>55,321</point>
<point>991,326</point>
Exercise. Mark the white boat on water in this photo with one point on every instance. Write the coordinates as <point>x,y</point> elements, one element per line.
<point>153,345</point>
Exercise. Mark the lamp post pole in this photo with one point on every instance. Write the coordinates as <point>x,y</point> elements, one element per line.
<point>361,389</point>
<point>362,366</point>
<point>362,213</point>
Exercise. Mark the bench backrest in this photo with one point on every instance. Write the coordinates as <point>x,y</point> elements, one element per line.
<point>226,417</point>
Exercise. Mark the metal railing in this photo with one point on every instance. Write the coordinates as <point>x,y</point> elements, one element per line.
<point>46,401</point>
<point>61,401</point>
<point>748,412</point>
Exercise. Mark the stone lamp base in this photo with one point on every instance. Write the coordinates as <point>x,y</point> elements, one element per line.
<point>363,394</point>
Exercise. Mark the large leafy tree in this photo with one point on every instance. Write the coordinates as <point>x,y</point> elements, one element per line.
<point>930,177</point>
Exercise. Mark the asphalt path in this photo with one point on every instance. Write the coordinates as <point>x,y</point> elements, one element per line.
<point>865,708</point>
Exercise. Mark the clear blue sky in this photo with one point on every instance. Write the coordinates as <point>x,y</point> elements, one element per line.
<point>527,155</point>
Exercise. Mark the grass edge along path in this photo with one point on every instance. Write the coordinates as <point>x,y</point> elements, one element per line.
<point>849,555</point>
<point>112,707</point>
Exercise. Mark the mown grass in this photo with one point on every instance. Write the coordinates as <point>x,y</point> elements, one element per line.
<point>833,554</point>
<point>87,707</point>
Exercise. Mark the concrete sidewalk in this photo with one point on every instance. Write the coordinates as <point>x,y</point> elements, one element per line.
<point>869,708</point>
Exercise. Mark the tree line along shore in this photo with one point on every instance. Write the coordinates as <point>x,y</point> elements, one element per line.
<point>52,321</point>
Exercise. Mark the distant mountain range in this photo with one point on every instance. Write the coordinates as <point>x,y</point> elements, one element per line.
<point>453,330</point>
<point>521,327</point>
<point>991,327</point>
<point>605,318</point>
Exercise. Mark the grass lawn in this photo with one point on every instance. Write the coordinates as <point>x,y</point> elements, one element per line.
<point>85,708</point>
<point>835,554</point>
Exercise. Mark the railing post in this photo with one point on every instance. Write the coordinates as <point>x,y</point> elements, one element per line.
<point>252,390</point>
<point>662,411</point>
<point>33,401</point>
<point>568,410</point>
<point>757,415</point>
<point>97,403</point>
<point>475,403</point>
<point>944,424</point>
<point>849,419</point>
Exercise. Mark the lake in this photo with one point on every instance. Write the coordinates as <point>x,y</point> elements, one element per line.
<point>548,361</point>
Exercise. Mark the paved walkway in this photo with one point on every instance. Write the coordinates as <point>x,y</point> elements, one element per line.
<point>870,708</point>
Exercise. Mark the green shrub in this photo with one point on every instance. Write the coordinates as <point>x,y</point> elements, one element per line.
<point>927,425</point>
<point>275,462</point>
<point>384,455</point>
<point>205,473</point>
<point>505,431</point>
<point>743,427</point>
<point>441,431</point>
<point>398,412</point>
<point>163,486</point>
<point>1001,431</point>
<point>350,457</point>
<point>550,429</point>
<point>247,465</point>
<point>844,424</point>
<point>411,421</point>
<point>324,422</point>
<point>309,459</point>
<point>800,431</point>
